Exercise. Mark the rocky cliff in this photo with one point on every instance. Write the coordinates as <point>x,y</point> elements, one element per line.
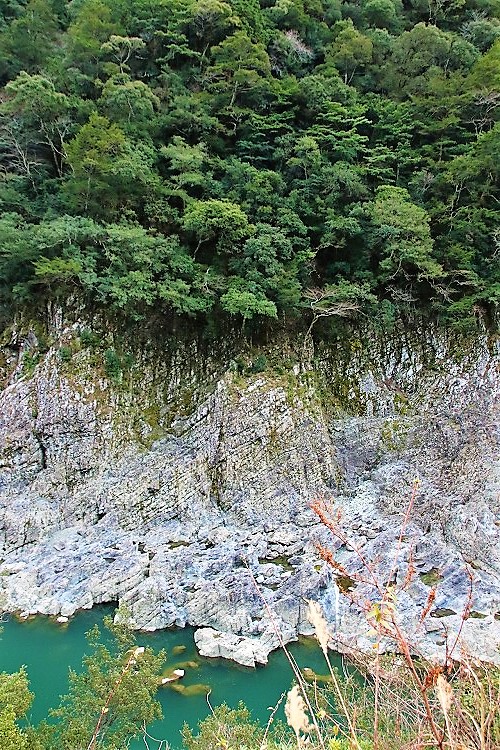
<point>177,479</point>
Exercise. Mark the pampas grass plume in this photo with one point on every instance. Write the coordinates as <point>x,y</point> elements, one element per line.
<point>317,620</point>
<point>295,712</point>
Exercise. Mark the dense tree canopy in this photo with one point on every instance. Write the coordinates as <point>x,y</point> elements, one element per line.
<point>225,157</point>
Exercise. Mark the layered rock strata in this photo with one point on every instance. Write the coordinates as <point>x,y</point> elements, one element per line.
<point>181,488</point>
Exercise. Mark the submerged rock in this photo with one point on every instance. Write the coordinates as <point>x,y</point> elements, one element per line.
<point>173,676</point>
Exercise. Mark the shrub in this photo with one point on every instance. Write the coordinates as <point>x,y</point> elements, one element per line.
<point>225,728</point>
<point>112,365</point>
<point>259,364</point>
<point>30,361</point>
<point>65,354</point>
<point>89,339</point>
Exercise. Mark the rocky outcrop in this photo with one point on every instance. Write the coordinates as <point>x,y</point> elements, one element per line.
<point>174,483</point>
<point>246,651</point>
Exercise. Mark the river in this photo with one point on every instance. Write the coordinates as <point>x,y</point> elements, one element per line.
<point>49,649</point>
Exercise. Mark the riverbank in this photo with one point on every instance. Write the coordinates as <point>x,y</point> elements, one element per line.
<point>48,650</point>
<point>181,484</point>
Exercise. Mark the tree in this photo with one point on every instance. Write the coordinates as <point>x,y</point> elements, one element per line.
<point>36,112</point>
<point>130,104</point>
<point>121,49</point>
<point>225,727</point>
<point>476,172</point>
<point>306,156</point>
<point>29,40</point>
<point>211,21</point>
<point>402,232</point>
<point>420,54</point>
<point>107,172</point>
<point>383,13</point>
<point>121,265</point>
<point>9,10</point>
<point>17,254</point>
<point>260,191</point>
<point>15,700</point>
<point>245,299</point>
<point>92,156</point>
<point>251,18</point>
<point>187,162</point>
<point>57,273</point>
<point>220,222</point>
<point>481,32</point>
<point>273,263</point>
<point>485,75</point>
<point>343,299</point>
<point>112,699</point>
<point>138,267</point>
<point>339,131</point>
<point>92,27</point>
<point>241,71</point>
<point>350,49</point>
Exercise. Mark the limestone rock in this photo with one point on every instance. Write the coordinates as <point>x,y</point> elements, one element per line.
<point>245,651</point>
<point>184,491</point>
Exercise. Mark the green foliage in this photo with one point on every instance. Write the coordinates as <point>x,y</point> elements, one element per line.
<point>219,158</point>
<point>220,222</point>
<point>403,234</point>
<point>225,728</point>
<point>350,50</point>
<point>113,678</point>
<point>245,299</point>
<point>30,361</point>
<point>109,701</point>
<point>27,43</point>
<point>16,254</point>
<point>15,700</point>
<point>108,175</point>
<point>259,364</point>
<point>115,364</point>
<point>240,73</point>
<point>485,74</point>
<point>129,103</point>
<point>92,26</point>
<point>65,354</point>
<point>89,339</point>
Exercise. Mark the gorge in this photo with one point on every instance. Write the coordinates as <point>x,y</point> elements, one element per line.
<point>176,477</point>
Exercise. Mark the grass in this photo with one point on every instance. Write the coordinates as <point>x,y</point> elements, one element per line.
<point>403,702</point>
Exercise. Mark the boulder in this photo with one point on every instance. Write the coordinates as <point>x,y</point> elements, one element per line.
<point>246,651</point>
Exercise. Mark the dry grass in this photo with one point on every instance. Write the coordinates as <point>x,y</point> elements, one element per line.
<point>407,702</point>
<point>382,702</point>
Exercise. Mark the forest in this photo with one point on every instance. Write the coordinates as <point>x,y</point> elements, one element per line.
<point>255,162</point>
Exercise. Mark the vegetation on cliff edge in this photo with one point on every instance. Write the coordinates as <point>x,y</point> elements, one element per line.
<point>251,160</point>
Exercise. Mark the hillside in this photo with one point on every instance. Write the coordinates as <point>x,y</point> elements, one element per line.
<point>250,163</point>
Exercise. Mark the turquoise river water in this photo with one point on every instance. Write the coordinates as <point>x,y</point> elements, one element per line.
<point>48,649</point>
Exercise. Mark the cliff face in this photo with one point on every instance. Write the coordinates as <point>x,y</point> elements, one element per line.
<point>163,478</point>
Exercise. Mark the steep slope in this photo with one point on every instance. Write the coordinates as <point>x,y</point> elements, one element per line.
<point>163,481</point>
